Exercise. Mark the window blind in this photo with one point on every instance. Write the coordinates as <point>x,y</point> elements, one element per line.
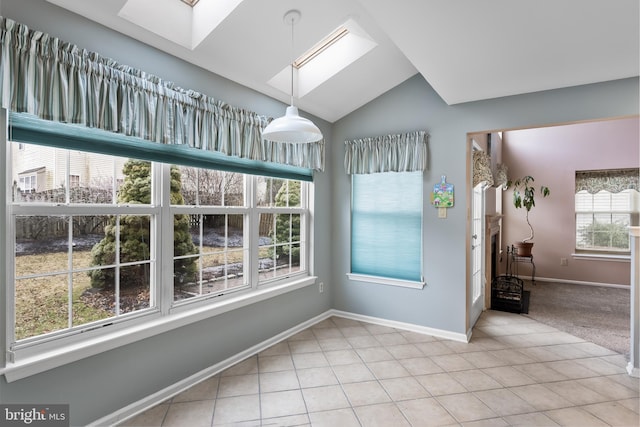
<point>30,129</point>
<point>386,225</point>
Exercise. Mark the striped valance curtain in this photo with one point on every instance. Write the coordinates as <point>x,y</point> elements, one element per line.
<point>391,153</point>
<point>58,81</point>
<point>611,180</point>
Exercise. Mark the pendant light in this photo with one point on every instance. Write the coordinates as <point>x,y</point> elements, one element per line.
<point>291,127</point>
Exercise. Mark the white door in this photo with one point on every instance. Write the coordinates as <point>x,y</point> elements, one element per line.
<point>477,254</point>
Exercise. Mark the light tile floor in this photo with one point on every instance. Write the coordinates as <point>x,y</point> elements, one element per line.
<point>341,372</point>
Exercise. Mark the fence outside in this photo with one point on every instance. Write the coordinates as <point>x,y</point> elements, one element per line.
<point>53,227</point>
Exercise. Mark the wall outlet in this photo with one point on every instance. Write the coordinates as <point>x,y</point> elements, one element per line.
<point>564,261</point>
<point>321,287</point>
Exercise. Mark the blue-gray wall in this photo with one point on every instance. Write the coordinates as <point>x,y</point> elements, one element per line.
<point>413,105</point>
<point>100,385</point>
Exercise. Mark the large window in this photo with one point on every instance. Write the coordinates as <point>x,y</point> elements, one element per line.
<point>606,204</point>
<point>603,220</point>
<point>386,227</point>
<point>134,240</point>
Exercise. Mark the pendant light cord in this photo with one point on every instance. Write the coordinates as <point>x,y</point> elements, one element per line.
<point>292,60</point>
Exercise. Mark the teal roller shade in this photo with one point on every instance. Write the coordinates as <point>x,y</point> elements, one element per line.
<point>30,129</point>
<point>386,225</point>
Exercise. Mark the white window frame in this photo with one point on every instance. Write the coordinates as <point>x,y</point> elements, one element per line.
<point>33,183</point>
<point>74,181</point>
<point>44,352</point>
<point>634,203</point>
<point>304,233</point>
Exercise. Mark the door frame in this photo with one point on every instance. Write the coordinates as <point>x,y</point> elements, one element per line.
<point>469,321</point>
<point>478,249</point>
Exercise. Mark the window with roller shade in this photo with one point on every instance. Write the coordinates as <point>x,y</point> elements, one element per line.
<point>386,225</point>
<point>106,241</point>
<point>386,208</point>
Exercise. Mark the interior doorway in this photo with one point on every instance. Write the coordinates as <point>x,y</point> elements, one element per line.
<point>563,149</point>
<point>477,254</point>
<point>480,180</point>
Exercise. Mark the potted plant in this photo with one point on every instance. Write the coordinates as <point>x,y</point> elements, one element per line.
<point>524,197</point>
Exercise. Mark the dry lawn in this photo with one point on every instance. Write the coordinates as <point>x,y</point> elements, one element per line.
<point>43,303</point>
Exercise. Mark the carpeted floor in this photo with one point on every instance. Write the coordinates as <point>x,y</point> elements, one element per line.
<point>597,314</point>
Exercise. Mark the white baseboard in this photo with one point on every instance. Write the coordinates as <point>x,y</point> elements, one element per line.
<point>154,399</point>
<point>440,333</point>
<point>150,401</point>
<point>575,282</point>
<point>633,370</point>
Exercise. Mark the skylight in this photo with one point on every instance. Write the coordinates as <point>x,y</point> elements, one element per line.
<point>332,54</point>
<point>326,43</point>
<point>185,22</point>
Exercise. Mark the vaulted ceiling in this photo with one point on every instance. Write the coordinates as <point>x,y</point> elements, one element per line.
<point>467,50</point>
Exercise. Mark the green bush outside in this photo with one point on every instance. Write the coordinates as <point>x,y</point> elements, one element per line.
<point>603,236</point>
<point>134,233</point>
<point>286,224</point>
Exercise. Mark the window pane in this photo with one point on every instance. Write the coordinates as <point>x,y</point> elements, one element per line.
<point>136,183</point>
<point>584,201</point>
<point>135,235</point>
<point>219,239</point>
<point>223,250</point>
<point>42,249</point>
<point>602,201</point>
<point>186,279</point>
<point>42,244</point>
<point>90,305</point>
<point>88,231</point>
<point>93,177</point>
<point>135,285</point>
<point>42,174</point>
<point>386,225</point>
<point>32,169</point>
<point>42,305</point>
<point>288,194</point>
<point>602,229</point>
<point>279,248</point>
<point>621,202</point>
<point>186,237</point>
<point>188,185</point>
<point>273,192</point>
<point>207,187</point>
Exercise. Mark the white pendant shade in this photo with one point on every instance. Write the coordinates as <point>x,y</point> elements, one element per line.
<point>292,128</point>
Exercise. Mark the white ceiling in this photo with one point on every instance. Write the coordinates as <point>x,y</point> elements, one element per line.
<point>468,50</point>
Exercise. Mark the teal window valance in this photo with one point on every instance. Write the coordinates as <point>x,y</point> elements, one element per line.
<point>611,180</point>
<point>391,153</point>
<point>32,130</point>
<point>57,81</point>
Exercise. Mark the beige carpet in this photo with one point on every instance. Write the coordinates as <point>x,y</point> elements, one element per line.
<point>593,313</point>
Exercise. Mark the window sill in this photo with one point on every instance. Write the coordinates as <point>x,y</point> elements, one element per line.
<point>386,281</point>
<point>602,257</point>
<point>36,364</point>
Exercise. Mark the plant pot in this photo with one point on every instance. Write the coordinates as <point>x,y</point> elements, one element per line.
<point>523,248</point>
